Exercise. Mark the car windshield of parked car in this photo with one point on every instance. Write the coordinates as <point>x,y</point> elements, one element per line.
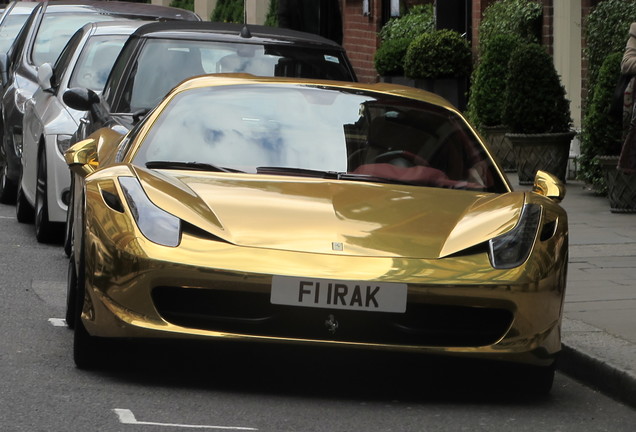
<point>318,132</point>
<point>96,61</point>
<point>165,63</point>
<point>56,30</point>
<point>9,29</point>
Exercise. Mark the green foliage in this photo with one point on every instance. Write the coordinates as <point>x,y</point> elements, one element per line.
<point>229,11</point>
<point>389,58</point>
<point>534,101</point>
<point>183,4</point>
<point>438,54</point>
<point>420,19</point>
<point>602,132</point>
<point>489,80</point>
<point>606,32</point>
<point>517,17</point>
<point>397,34</point>
<point>272,14</point>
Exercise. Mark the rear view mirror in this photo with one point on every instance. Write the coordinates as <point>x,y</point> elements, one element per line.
<point>81,157</point>
<point>549,186</point>
<point>45,76</point>
<point>81,99</point>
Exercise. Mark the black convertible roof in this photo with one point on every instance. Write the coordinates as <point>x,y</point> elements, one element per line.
<point>215,30</point>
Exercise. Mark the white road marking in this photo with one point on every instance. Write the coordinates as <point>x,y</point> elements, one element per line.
<point>58,322</point>
<point>127,417</point>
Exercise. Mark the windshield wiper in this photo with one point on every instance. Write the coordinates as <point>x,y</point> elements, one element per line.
<point>373,179</point>
<point>303,172</point>
<point>194,166</point>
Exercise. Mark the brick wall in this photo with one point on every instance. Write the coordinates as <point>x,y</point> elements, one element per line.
<point>360,36</point>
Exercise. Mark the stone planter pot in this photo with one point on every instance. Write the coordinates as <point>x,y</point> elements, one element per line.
<point>621,187</point>
<point>547,152</point>
<point>452,89</point>
<point>500,146</point>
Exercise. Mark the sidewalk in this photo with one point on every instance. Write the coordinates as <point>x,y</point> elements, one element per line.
<point>599,326</point>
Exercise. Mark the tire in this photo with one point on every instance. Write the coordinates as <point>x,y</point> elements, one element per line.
<point>537,380</point>
<point>45,231</point>
<point>7,187</point>
<point>23,211</point>
<point>68,227</point>
<point>87,349</point>
<point>71,295</point>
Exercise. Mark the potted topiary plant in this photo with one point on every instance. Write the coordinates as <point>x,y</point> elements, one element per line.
<point>537,114</point>
<point>486,103</point>
<point>603,135</point>
<point>396,36</point>
<point>440,61</point>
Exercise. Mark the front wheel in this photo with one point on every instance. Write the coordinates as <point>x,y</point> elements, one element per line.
<point>7,187</point>
<point>87,349</point>
<point>45,230</point>
<point>23,211</point>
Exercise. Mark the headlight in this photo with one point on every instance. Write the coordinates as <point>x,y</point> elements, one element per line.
<point>63,143</point>
<point>21,97</point>
<point>154,223</point>
<point>511,249</point>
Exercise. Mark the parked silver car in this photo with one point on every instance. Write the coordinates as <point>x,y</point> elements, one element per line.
<point>49,123</point>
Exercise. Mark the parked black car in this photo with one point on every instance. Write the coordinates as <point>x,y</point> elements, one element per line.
<point>158,56</point>
<point>44,35</point>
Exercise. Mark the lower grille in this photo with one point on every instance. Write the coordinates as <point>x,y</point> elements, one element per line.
<point>253,314</point>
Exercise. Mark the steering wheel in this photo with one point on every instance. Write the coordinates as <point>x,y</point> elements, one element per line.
<point>401,158</point>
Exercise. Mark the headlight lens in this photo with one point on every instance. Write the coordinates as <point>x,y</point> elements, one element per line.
<point>154,223</point>
<point>21,97</point>
<point>63,143</point>
<point>511,249</point>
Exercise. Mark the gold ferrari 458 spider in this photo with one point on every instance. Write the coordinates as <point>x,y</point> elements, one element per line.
<point>313,212</point>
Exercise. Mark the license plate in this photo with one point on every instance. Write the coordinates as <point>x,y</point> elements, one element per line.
<point>339,294</point>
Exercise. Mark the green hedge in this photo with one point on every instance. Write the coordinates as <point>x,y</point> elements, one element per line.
<point>489,80</point>
<point>534,101</point>
<point>517,17</point>
<point>438,54</point>
<point>602,132</point>
<point>229,11</point>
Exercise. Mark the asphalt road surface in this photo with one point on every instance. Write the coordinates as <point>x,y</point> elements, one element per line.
<point>188,387</point>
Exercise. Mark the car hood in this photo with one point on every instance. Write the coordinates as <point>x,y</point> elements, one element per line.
<point>333,216</point>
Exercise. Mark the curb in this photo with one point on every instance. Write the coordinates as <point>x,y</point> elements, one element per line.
<point>599,360</point>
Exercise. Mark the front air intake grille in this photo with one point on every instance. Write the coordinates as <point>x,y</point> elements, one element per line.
<point>253,314</point>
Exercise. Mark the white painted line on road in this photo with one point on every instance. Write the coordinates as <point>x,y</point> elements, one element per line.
<point>58,322</point>
<point>127,417</point>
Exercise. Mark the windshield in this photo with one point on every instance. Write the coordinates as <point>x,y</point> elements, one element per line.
<point>56,30</point>
<point>305,130</point>
<point>9,30</point>
<point>96,61</point>
<point>165,63</point>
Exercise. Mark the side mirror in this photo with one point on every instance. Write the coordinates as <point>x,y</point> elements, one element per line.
<point>80,99</point>
<point>549,186</point>
<point>45,76</point>
<point>81,157</point>
<point>4,68</point>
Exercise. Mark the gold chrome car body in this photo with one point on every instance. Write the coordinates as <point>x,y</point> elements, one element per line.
<point>240,231</point>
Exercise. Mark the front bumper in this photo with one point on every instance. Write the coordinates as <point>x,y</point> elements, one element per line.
<point>213,290</point>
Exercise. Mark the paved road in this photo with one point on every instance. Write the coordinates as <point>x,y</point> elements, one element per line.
<point>148,388</point>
